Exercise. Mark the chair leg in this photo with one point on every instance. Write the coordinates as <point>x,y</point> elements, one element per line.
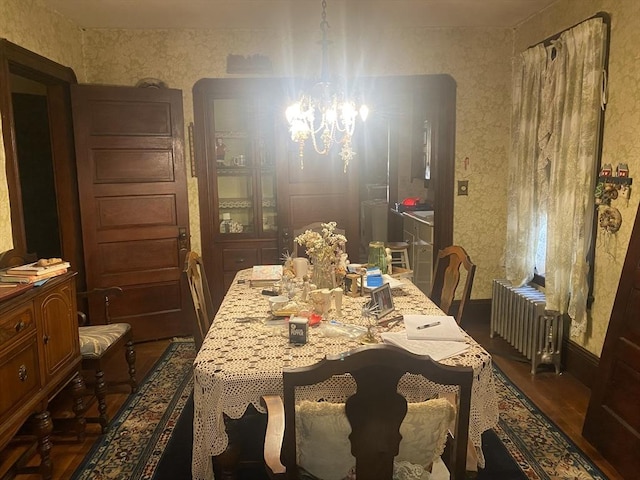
<point>130,355</point>
<point>101,394</point>
<point>78,389</point>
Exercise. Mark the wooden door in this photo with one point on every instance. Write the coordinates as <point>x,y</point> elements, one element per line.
<point>612,423</point>
<point>319,192</point>
<point>134,208</point>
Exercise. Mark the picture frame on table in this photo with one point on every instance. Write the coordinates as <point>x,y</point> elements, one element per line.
<point>382,298</point>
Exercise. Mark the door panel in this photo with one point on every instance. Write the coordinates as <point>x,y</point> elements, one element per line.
<point>319,192</point>
<point>612,422</point>
<point>134,207</point>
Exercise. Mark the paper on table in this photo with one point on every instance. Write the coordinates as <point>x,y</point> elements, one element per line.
<point>446,329</point>
<point>437,349</point>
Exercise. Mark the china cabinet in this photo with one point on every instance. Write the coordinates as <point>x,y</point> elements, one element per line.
<point>235,142</point>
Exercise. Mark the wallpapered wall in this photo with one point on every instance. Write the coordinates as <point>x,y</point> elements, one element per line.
<point>621,142</point>
<point>478,59</point>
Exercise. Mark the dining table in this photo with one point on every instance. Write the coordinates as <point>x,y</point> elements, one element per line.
<point>246,349</point>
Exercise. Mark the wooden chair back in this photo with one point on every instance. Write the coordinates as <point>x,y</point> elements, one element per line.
<point>200,295</point>
<point>446,277</point>
<point>375,412</point>
<point>101,295</point>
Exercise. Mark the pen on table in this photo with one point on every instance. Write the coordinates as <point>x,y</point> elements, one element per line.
<point>427,325</point>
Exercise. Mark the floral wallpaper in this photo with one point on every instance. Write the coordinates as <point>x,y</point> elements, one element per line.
<point>29,24</point>
<point>478,59</point>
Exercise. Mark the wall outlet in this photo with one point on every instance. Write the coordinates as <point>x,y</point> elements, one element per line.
<point>463,187</point>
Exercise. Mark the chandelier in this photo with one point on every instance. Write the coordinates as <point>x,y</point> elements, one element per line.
<point>324,114</point>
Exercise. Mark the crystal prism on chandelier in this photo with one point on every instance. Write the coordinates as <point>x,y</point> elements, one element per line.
<point>323,114</point>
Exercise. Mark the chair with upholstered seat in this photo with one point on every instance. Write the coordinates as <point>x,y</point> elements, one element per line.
<point>98,344</point>
<point>200,295</point>
<point>446,277</point>
<point>376,425</point>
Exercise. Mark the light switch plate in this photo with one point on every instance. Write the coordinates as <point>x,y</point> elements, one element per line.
<point>463,187</point>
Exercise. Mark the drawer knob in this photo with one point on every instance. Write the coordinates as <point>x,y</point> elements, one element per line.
<point>240,260</point>
<point>20,326</point>
<point>22,373</point>
<point>45,339</point>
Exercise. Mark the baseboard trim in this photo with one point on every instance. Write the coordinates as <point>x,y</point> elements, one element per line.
<point>475,311</point>
<point>576,360</point>
<point>580,362</point>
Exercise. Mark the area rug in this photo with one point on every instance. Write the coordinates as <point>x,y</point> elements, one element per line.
<point>151,435</point>
<point>142,427</point>
<point>535,443</point>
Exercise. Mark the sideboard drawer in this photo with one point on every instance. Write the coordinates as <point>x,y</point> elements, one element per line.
<point>235,259</point>
<point>17,324</point>
<point>19,375</point>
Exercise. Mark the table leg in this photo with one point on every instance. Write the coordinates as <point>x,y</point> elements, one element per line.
<point>227,462</point>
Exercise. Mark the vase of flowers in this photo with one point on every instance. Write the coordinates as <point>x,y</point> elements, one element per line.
<point>325,249</point>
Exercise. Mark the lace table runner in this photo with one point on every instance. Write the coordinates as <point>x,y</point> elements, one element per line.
<point>241,361</point>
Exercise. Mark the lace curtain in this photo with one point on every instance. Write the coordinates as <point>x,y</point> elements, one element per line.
<point>554,180</point>
<point>525,162</point>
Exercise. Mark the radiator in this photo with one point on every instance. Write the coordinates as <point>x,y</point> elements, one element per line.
<point>518,315</point>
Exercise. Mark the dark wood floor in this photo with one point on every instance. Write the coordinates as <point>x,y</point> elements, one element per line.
<point>561,397</point>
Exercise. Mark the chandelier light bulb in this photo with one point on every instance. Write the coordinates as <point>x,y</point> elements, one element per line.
<point>364,112</point>
<point>321,117</point>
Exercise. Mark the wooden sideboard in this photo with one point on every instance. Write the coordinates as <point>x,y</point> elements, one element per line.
<point>39,356</point>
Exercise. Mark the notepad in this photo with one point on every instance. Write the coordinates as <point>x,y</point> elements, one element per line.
<point>436,349</point>
<point>433,327</point>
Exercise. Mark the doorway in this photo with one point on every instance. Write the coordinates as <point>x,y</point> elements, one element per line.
<point>40,165</point>
<point>35,164</point>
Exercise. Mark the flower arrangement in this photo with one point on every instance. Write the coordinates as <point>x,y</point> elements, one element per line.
<point>325,250</point>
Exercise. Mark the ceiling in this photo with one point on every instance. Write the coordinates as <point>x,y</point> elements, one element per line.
<point>264,13</point>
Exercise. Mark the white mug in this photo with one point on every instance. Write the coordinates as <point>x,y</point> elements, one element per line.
<point>300,266</point>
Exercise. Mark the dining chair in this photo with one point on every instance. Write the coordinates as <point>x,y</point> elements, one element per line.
<point>98,344</point>
<point>376,429</point>
<point>446,277</point>
<point>200,296</point>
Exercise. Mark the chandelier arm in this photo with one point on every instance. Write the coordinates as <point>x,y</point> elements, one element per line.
<point>320,106</point>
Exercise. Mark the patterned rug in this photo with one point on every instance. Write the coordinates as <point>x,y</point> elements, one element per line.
<point>525,444</point>
<point>142,428</point>
<point>536,444</point>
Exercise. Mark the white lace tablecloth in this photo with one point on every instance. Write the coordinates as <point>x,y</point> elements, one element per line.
<point>240,362</point>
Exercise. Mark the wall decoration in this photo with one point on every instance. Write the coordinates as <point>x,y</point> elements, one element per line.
<point>151,83</point>
<point>610,219</point>
<point>610,186</point>
<point>192,156</point>
<point>249,64</point>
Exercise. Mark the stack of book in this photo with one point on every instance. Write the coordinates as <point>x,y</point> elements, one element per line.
<point>34,272</point>
<point>265,275</point>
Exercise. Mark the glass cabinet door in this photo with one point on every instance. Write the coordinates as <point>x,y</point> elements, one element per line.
<point>244,167</point>
<point>268,191</point>
<point>235,201</point>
